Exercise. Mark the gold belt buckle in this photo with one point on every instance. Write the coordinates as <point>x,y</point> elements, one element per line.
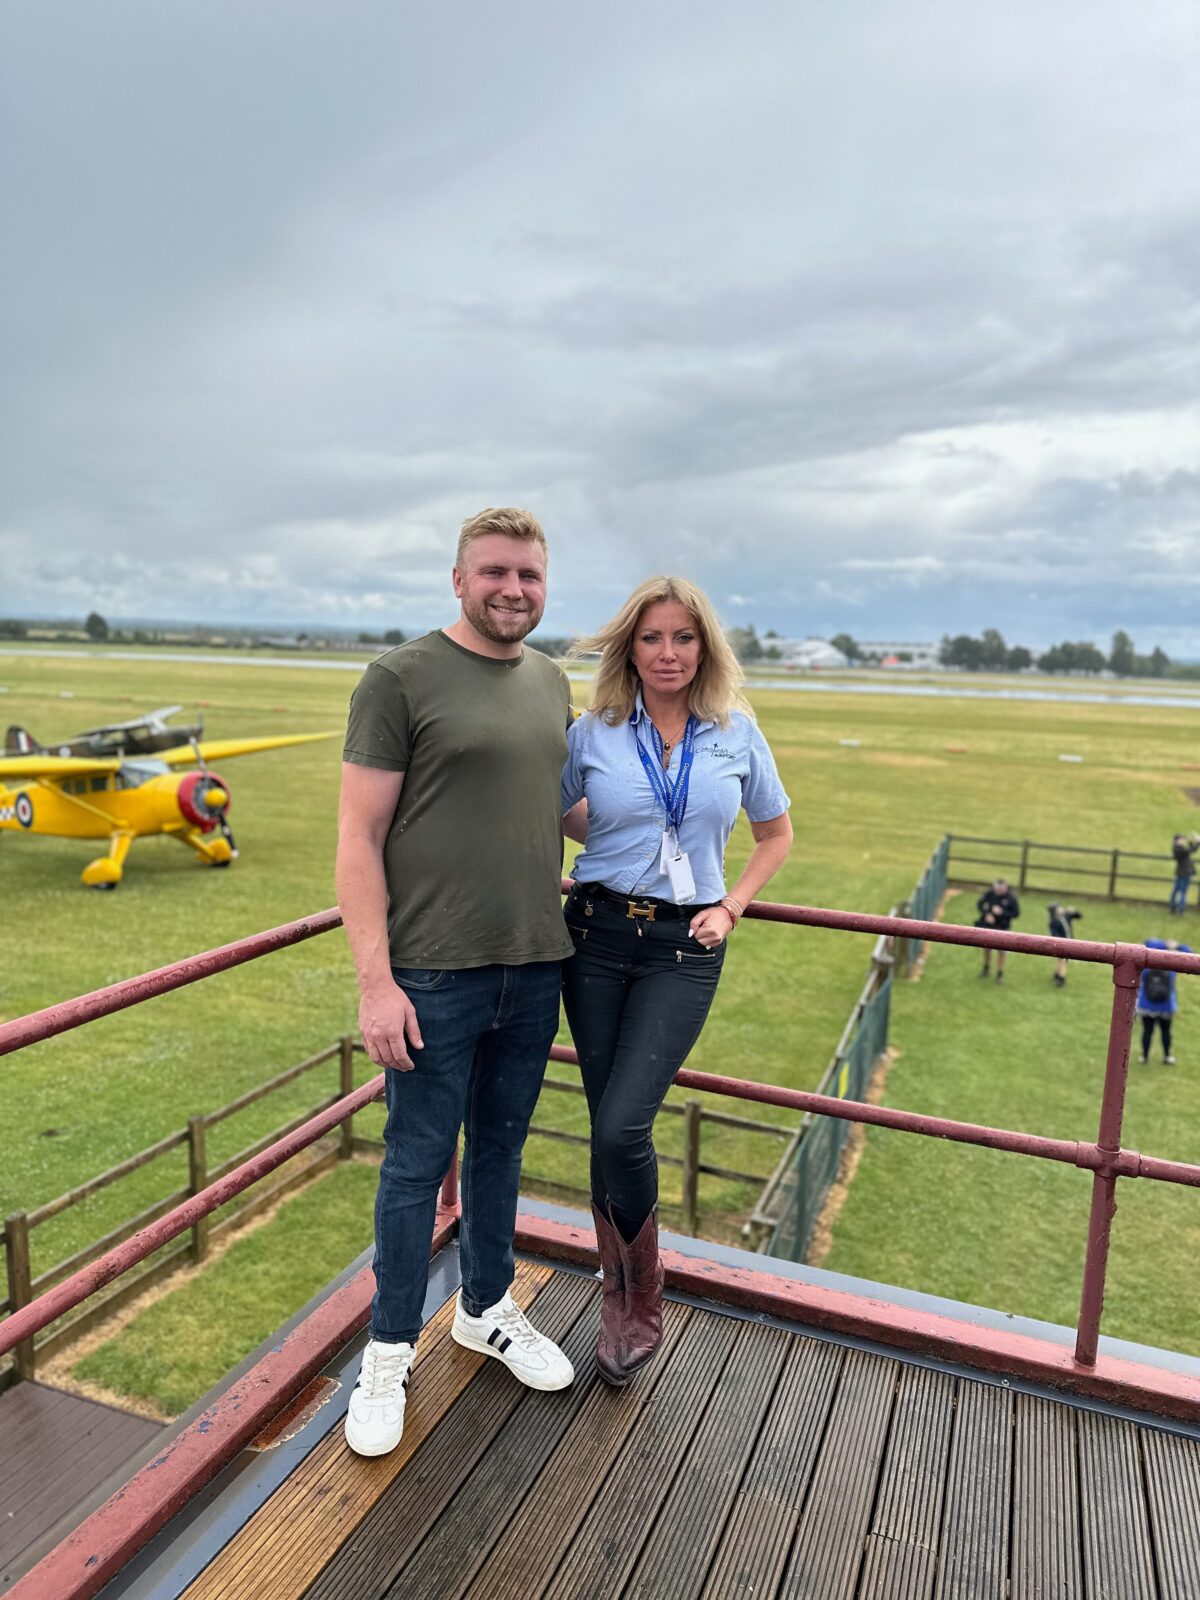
<point>639,911</point>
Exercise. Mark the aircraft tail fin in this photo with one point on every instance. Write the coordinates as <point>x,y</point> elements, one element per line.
<point>20,742</point>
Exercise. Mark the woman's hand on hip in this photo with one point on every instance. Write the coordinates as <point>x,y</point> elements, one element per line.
<point>712,927</point>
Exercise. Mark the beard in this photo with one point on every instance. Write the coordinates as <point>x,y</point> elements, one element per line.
<point>499,627</point>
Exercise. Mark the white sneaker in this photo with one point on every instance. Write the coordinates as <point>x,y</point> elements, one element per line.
<point>504,1331</point>
<point>375,1416</point>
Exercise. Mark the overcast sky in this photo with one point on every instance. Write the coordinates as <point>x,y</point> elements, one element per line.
<point>876,315</point>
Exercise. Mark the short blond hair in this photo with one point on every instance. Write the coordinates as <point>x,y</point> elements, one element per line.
<point>714,694</point>
<point>510,521</point>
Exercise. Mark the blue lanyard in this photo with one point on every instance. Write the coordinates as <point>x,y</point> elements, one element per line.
<point>673,797</point>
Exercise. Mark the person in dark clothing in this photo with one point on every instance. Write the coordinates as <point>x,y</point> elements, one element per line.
<point>998,907</point>
<point>1157,1001</point>
<point>1183,849</point>
<point>1062,926</point>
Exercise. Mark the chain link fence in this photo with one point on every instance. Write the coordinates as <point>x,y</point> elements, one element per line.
<point>782,1222</point>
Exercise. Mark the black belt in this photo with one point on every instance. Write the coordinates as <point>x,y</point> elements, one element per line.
<point>640,906</point>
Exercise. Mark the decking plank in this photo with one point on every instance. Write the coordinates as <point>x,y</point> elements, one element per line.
<point>828,1547</point>
<point>973,1560</point>
<point>285,1544</point>
<point>523,1561</point>
<point>743,1462</point>
<point>758,1533</point>
<point>602,1554</point>
<point>1045,1555</point>
<point>55,1449</point>
<point>1117,1560</point>
<point>901,1549</point>
<point>367,1563</point>
<point>676,1558</point>
<point>463,1536</point>
<point>893,1571</point>
<point>1172,1465</point>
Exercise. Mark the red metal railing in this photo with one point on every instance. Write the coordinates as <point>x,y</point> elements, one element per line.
<point>1104,1157</point>
<point>87,1558</point>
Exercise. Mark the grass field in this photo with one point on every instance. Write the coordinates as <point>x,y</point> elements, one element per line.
<point>866,819</point>
<point>1027,1055</point>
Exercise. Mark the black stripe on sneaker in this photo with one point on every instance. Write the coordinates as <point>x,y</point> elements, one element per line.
<point>496,1333</point>
<point>503,1347</point>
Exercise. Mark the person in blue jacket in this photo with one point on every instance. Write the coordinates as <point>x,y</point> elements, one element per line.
<point>1157,1001</point>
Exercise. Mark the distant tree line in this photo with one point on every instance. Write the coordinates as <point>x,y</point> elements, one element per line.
<point>748,647</point>
<point>990,653</point>
<point>392,636</point>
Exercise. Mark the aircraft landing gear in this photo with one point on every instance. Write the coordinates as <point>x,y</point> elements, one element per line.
<point>214,849</point>
<point>106,871</point>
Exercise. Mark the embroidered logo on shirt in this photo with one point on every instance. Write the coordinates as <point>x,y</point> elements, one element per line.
<point>720,750</point>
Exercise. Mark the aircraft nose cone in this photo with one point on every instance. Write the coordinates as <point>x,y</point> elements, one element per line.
<point>215,799</point>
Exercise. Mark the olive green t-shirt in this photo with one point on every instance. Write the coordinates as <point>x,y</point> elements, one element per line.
<point>473,857</point>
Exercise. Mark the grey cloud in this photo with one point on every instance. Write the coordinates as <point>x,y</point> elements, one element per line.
<point>753,294</point>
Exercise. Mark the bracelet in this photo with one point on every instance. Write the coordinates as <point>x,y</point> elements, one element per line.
<point>734,908</point>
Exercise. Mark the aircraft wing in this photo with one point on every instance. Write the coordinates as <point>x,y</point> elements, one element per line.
<point>184,755</point>
<point>54,767</point>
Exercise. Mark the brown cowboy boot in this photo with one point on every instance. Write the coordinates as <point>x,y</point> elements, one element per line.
<point>612,1309</point>
<point>642,1332</point>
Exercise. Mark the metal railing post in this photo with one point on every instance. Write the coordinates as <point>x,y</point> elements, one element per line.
<point>345,1086</point>
<point>1126,974</point>
<point>1112,875</point>
<point>449,1195</point>
<point>198,1180</point>
<point>20,1284</point>
<point>691,1165</point>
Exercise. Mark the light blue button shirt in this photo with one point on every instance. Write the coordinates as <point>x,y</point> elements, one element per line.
<point>733,769</point>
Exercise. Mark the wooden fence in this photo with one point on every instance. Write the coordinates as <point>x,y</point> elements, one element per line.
<point>1106,874</point>
<point>23,1286</point>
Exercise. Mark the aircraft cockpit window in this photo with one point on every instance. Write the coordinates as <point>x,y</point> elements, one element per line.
<point>134,773</point>
<point>99,785</point>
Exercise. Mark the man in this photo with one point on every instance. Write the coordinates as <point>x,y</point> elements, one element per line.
<point>448,872</point>
<point>998,907</point>
<point>1183,849</point>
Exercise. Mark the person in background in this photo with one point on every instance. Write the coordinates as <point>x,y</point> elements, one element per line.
<point>1062,926</point>
<point>657,773</point>
<point>998,908</point>
<point>1183,849</point>
<point>1157,1001</point>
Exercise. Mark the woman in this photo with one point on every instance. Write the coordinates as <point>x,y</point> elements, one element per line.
<point>1157,1002</point>
<point>656,773</point>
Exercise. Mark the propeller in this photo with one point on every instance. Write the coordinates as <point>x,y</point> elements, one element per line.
<point>219,808</point>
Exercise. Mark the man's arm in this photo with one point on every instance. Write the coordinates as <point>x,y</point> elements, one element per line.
<point>386,1016</point>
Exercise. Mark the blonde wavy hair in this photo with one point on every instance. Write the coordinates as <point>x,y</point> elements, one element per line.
<point>714,694</point>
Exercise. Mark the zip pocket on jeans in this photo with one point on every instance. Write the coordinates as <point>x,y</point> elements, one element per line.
<point>693,955</point>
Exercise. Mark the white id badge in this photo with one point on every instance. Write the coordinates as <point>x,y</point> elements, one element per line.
<point>678,868</point>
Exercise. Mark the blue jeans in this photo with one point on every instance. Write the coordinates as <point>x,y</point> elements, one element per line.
<point>1179,894</point>
<point>487,1033</point>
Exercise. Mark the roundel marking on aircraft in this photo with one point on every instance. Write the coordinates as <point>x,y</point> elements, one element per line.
<point>24,810</point>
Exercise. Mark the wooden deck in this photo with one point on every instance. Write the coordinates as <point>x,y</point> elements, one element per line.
<point>55,1449</point>
<point>747,1460</point>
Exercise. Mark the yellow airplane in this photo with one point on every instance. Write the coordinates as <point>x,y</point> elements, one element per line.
<point>73,797</point>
